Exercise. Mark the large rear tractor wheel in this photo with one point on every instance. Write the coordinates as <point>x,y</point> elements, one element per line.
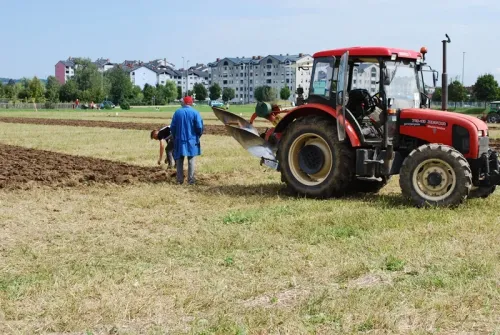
<point>313,162</point>
<point>435,175</point>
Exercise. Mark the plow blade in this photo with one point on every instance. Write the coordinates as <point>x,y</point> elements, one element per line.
<point>248,137</point>
<point>254,144</point>
<point>230,119</point>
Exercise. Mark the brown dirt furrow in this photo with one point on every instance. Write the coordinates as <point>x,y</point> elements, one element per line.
<point>209,129</point>
<point>23,168</point>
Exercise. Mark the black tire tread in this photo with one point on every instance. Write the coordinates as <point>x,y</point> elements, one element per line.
<point>344,155</point>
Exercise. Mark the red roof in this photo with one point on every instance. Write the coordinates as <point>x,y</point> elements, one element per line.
<point>370,51</point>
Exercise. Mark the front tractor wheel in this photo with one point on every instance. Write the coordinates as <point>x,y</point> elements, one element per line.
<point>312,160</point>
<point>435,175</point>
<point>493,118</point>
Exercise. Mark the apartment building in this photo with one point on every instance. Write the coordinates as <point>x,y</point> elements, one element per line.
<point>64,69</point>
<point>245,74</point>
<point>188,78</point>
<point>103,64</point>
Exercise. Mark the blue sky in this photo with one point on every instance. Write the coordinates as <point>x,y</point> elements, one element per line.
<point>39,33</point>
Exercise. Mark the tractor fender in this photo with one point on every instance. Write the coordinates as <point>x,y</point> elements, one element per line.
<point>317,109</point>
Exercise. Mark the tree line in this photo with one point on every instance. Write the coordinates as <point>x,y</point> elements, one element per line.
<point>90,85</point>
<point>484,90</point>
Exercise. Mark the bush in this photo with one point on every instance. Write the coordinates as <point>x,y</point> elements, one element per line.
<point>265,94</point>
<point>50,105</point>
<point>125,105</point>
<point>107,106</point>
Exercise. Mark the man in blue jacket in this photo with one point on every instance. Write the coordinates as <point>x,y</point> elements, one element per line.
<point>186,129</point>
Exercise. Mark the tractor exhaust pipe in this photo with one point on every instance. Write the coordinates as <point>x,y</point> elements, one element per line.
<point>444,81</point>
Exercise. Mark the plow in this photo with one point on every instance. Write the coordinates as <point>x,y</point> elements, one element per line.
<point>367,118</point>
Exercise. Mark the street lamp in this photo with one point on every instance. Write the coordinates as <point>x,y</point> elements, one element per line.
<point>463,67</point>
<point>444,80</point>
<point>187,76</point>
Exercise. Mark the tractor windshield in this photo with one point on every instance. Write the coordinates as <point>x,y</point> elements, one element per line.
<point>401,79</point>
<point>402,84</point>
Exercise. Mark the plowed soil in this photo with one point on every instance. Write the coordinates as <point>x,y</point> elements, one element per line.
<point>23,168</point>
<point>208,129</point>
<point>495,144</point>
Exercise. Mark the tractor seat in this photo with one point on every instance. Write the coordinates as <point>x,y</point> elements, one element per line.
<point>359,101</point>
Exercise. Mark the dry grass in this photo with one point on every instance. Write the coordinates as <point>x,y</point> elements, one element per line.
<point>235,256</point>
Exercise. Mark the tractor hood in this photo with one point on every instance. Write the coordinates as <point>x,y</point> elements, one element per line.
<point>438,115</point>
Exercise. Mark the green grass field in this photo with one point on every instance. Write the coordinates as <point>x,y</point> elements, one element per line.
<point>235,254</point>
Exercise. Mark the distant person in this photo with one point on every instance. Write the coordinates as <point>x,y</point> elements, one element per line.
<point>164,135</point>
<point>186,128</point>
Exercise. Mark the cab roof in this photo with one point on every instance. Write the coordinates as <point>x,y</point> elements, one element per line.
<point>370,52</point>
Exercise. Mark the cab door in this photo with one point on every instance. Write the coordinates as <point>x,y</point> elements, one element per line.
<point>342,94</point>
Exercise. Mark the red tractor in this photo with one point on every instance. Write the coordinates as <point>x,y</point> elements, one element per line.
<point>368,117</point>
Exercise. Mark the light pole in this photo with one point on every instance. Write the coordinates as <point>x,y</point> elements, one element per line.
<point>463,67</point>
<point>444,80</point>
<point>183,63</point>
<point>187,76</point>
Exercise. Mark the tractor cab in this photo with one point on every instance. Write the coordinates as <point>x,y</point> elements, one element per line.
<point>366,88</point>
<point>494,112</point>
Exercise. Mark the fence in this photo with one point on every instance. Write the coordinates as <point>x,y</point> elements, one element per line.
<point>30,105</point>
<point>461,104</point>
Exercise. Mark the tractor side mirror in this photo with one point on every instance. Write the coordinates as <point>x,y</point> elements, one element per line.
<point>387,77</point>
<point>435,77</point>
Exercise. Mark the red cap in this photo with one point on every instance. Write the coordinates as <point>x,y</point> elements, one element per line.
<point>187,100</point>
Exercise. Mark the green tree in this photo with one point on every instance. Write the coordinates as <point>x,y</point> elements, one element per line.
<point>23,89</point>
<point>35,90</point>
<point>90,81</point>
<point>179,92</point>
<point>69,91</point>
<point>200,91</point>
<point>52,89</point>
<point>436,96</point>
<point>170,91</point>
<point>160,97</point>
<point>456,92</point>
<point>1,90</point>
<point>285,93</point>
<point>120,85</point>
<point>227,94</point>
<point>149,92</point>
<point>136,98</point>
<point>11,90</point>
<point>265,93</point>
<point>486,88</point>
<point>215,91</point>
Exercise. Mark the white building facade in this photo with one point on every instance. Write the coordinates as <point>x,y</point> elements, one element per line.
<point>245,74</point>
<point>142,75</point>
